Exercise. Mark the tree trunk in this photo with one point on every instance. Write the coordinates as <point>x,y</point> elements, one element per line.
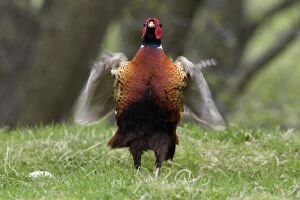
<point>42,87</point>
<point>18,32</point>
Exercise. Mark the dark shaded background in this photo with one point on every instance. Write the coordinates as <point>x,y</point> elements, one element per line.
<point>46,47</point>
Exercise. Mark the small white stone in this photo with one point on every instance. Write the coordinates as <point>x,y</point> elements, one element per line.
<point>40,174</point>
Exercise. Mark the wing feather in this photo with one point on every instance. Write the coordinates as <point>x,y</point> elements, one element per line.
<point>96,99</point>
<point>197,97</point>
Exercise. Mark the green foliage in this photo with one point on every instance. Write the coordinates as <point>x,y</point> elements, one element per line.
<point>113,38</point>
<point>255,8</point>
<point>273,97</point>
<point>237,163</point>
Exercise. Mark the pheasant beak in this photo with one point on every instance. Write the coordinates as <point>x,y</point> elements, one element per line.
<point>151,24</point>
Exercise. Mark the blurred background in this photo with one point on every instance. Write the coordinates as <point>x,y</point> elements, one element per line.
<point>46,47</point>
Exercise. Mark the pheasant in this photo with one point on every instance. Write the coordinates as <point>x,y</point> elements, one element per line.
<point>148,94</point>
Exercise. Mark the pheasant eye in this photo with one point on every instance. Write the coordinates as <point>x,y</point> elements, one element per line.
<point>144,24</point>
<point>160,25</point>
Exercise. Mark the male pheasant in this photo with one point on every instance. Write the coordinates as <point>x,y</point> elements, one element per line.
<point>148,94</point>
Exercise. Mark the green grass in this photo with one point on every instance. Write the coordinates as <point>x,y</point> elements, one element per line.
<point>232,164</point>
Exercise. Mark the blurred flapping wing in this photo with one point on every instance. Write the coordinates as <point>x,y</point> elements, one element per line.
<point>96,99</point>
<point>197,97</point>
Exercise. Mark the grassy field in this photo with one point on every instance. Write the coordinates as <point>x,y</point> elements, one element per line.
<point>238,163</point>
<point>232,164</point>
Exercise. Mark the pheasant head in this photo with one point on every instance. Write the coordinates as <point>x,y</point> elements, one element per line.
<point>152,32</point>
